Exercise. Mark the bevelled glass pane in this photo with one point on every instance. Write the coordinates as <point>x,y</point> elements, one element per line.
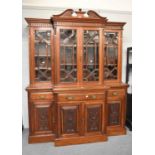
<point>42,55</point>
<point>111,56</point>
<point>91,55</point>
<point>68,55</point>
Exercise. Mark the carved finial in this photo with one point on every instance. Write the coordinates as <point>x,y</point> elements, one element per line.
<point>80,13</point>
<point>80,10</point>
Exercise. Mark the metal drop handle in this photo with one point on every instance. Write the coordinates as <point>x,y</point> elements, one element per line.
<point>42,97</point>
<point>70,97</point>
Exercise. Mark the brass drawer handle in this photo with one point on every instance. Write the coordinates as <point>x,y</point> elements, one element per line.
<point>93,96</point>
<point>90,97</point>
<point>86,96</point>
<point>42,97</point>
<point>70,97</point>
<point>115,93</point>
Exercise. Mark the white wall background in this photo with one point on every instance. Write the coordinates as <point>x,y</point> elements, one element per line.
<point>119,10</point>
<point>120,5</point>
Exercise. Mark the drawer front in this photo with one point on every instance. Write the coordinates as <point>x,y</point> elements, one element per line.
<point>116,92</point>
<point>79,97</point>
<point>41,96</point>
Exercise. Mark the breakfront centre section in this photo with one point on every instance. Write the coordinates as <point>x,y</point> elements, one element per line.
<point>75,93</point>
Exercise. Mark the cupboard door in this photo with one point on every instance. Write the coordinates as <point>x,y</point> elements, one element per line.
<point>68,55</point>
<point>42,49</point>
<point>94,118</point>
<point>90,55</point>
<point>116,109</point>
<point>114,113</point>
<point>42,118</point>
<point>70,116</point>
<point>111,55</point>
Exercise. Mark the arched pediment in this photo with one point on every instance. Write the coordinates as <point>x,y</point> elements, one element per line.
<point>85,16</point>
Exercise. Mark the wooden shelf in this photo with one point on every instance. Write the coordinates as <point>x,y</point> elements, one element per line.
<point>42,68</point>
<point>68,45</point>
<point>68,64</point>
<point>62,45</point>
<point>90,64</point>
<point>110,65</point>
<point>42,55</point>
<point>114,46</point>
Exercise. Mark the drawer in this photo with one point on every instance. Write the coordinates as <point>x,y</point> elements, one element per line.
<point>41,96</point>
<point>116,92</point>
<point>79,97</point>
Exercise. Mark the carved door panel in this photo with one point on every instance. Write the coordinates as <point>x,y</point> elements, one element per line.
<point>116,111</point>
<point>70,115</point>
<point>42,118</point>
<point>94,118</point>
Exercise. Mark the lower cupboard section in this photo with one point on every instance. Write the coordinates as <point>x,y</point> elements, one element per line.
<point>81,122</point>
<point>73,121</point>
<point>41,122</point>
<point>116,114</point>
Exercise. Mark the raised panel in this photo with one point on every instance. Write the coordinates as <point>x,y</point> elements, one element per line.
<point>42,117</point>
<point>94,118</point>
<point>114,113</point>
<point>70,119</point>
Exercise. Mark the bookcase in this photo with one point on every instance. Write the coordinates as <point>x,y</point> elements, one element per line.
<point>75,93</point>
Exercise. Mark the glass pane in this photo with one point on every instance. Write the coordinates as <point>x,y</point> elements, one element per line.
<point>91,55</point>
<point>68,55</point>
<point>42,55</point>
<point>111,55</point>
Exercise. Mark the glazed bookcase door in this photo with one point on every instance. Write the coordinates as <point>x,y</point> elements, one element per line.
<point>69,119</point>
<point>116,112</point>
<point>94,118</point>
<point>91,43</point>
<point>68,55</point>
<point>41,54</point>
<point>42,118</point>
<point>112,57</point>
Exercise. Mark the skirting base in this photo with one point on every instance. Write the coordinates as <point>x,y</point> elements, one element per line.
<point>41,138</point>
<point>115,131</point>
<point>79,140</point>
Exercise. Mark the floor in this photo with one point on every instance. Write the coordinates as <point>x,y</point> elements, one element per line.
<point>116,145</point>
